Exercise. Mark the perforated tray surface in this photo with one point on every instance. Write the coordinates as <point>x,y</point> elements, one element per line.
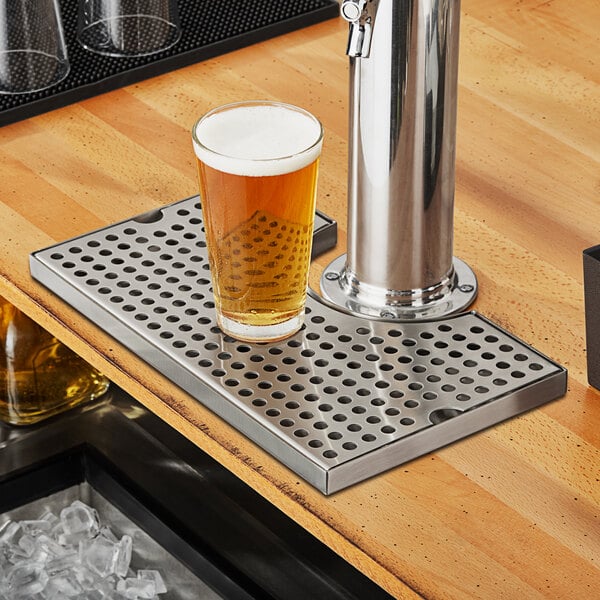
<point>340,401</point>
<point>208,29</point>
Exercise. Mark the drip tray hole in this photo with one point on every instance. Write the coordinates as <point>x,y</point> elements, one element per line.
<point>443,414</point>
<point>152,216</point>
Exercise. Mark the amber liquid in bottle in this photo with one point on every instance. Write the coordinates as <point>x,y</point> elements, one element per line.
<point>39,376</point>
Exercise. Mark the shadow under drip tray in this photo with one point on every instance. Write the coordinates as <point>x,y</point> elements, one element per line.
<point>206,532</point>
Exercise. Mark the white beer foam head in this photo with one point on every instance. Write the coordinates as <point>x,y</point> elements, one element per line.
<point>258,140</point>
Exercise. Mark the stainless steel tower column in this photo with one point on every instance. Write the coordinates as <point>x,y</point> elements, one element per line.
<point>403,94</point>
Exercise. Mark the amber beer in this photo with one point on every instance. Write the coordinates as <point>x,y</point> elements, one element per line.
<point>39,376</point>
<point>257,167</point>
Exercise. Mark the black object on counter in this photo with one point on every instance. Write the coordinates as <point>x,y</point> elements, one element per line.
<point>591,284</point>
<point>208,29</point>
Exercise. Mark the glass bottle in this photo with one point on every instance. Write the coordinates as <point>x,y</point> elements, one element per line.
<point>39,376</point>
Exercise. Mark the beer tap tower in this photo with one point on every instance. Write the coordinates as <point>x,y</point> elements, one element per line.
<point>403,96</point>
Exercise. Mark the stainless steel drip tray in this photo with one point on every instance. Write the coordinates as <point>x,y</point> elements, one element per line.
<point>342,400</point>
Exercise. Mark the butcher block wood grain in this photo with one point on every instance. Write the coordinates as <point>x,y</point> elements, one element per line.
<point>512,512</point>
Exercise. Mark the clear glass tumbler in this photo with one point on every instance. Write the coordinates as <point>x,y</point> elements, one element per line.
<point>258,166</point>
<point>128,27</point>
<point>33,54</point>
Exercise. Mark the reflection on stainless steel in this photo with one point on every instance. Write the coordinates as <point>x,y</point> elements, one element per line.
<point>403,92</point>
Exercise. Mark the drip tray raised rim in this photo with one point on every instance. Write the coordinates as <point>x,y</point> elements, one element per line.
<point>342,400</point>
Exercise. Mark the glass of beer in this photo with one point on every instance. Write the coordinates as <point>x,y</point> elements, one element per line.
<point>257,166</point>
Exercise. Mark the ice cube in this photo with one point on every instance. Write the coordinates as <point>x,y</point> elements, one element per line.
<point>26,579</point>
<point>65,561</point>
<point>71,540</point>
<point>26,545</point>
<point>50,518</point>
<point>124,556</point>
<point>89,580</point>
<point>79,518</point>
<point>52,547</point>
<point>156,577</point>
<point>100,555</point>
<point>11,552</point>
<point>132,587</point>
<point>64,584</point>
<point>36,526</point>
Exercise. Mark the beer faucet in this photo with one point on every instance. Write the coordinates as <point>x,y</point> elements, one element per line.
<point>399,262</point>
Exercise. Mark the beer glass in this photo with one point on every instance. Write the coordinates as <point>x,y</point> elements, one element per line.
<point>33,54</point>
<point>257,166</point>
<point>128,27</point>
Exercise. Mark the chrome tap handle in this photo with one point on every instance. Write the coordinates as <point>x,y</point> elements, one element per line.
<point>360,14</point>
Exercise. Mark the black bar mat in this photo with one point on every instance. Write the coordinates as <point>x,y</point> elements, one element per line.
<point>209,28</point>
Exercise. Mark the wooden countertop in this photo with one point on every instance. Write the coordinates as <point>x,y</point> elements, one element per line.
<point>512,512</point>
